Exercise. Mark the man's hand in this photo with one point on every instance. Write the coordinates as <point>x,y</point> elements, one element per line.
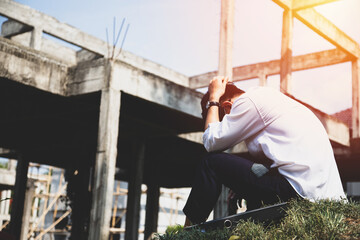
<point>216,90</point>
<point>217,87</point>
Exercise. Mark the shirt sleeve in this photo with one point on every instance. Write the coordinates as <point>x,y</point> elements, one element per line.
<point>242,122</point>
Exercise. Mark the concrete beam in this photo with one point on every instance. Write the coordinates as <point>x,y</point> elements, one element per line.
<point>300,62</point>
<point>197,138</point>
<point>27,66</point>
<point>52,26</point>
<point>7,178</point>
<point>57,51</point>
<point>11,28</point>
<point>302,4</point>
<point>91,76</point>
<point>325,28</point>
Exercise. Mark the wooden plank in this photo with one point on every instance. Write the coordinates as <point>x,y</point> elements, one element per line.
<point>302,4</point>
<point>226,38</point>
<point>134,194</point>
<point>105,163</point>
<point>355,98</point>
<point>286,51</point>
<point>300,62</point>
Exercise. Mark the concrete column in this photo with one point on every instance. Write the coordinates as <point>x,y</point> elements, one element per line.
<point>286,51</point>
<point>262,79</point>
<point>221,208</point>
<point>355,134</point>
<point>36,38</point>
<point>226,38</point>
<point>81,203</point>
<point>152,210</point>
<point>104,172</point>
<point>355,99</point>
<point>29,195</point>
<point>134,192</point>
<point>17,207</point>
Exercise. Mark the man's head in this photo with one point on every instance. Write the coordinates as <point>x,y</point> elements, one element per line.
<point>226,100</point>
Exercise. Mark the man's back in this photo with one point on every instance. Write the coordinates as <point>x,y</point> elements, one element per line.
<point>278,128</point>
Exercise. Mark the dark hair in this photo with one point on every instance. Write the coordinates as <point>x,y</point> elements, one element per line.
<point>230,91</point>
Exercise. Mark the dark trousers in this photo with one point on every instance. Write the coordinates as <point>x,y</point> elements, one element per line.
<point>237,174</point>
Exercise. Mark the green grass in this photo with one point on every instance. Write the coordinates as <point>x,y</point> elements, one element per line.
<point>304,220</point>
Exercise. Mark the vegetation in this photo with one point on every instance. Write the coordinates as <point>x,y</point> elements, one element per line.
<point>304,220</point>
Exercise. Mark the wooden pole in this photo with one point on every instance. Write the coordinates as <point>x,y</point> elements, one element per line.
<point>17,208</point>
<point>152,210</point>
<point>134,194</point>
<point>103,184</point>
<point>226,38</point>
<point>286,51</point>
<point>53,225</point>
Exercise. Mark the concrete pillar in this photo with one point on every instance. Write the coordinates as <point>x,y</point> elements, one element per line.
<point>286,51</point>
<point>355,134</point>
<point>29,195</point>
<point>80,202</point>
<point>221,209</point>
<point>17,207</point>
<point>152,210</point>
<point>226,38</point>
<point>355,99</point>
<point>104,172</point>
<point>225,63</point>
<point>36,38</point>
<point>134,192</point>
<point>262,79</point>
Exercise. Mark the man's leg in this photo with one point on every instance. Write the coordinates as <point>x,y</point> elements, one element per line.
<point>237,174</point>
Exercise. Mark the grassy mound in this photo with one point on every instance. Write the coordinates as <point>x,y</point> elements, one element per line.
<point>304,220</point>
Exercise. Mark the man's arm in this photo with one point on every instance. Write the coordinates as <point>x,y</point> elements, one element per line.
<point>216,90</point>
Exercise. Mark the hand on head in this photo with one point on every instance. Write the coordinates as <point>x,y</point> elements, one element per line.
<point>217,87</point>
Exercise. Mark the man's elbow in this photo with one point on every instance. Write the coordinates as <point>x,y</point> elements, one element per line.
<point>209,147</point>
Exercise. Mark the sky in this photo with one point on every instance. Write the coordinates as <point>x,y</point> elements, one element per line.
<point>184,36</point>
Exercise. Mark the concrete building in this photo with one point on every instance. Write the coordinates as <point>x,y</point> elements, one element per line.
<point>104,118</point>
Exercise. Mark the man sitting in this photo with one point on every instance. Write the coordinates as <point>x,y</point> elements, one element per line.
<point>292,150</point>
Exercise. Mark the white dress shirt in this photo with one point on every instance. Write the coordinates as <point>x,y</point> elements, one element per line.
<point>283,130</point>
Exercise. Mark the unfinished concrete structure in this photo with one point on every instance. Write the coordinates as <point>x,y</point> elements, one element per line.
<point>129,118</point>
